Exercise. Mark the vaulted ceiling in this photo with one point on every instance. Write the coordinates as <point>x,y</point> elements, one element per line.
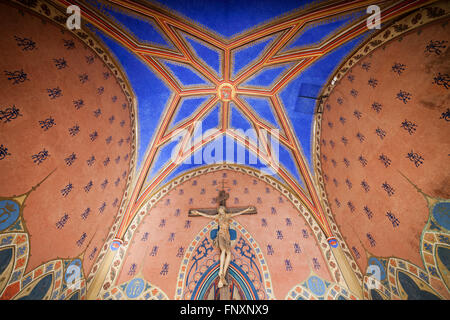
<point>313,98</point>
<point>273,59</point>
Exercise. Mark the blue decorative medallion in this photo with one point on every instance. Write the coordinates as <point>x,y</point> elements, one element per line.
<point>316,285</point>
<point>135,288</point>
<point>441,213</point>
<point>9,212</point>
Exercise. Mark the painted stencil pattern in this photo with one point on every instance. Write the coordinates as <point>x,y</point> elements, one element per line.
<point>50,135</point>
<point>393,153</point>
<point>181,263</point>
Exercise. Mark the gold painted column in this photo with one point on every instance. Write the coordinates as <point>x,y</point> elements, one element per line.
<point>100,276</point>
<point>349,275</point>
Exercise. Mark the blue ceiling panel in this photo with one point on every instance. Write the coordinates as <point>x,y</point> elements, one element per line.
<point>298,96</point>
<point>314,34</point>
<point>208,123</point>
<point>186,75</point>
<point>152,94</point>
<point>287,160</point>
<point>244,127</point>
<point>187,107</point>
<point>142,28</point>
<point>211,57</point>
<point>263,109</point>
<point>163,157</point>
<point>238,119</point>
<point>267,76</point>
<point>231,17</point>
<point>243,57</point>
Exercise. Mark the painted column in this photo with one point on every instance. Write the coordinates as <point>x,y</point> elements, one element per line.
<point>100,276</point>
<point>349,276</point>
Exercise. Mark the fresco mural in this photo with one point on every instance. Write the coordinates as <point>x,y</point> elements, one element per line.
<point>315,288</point>
<point>401,279</point>
<point>175,252</point>
<point>65,126</point>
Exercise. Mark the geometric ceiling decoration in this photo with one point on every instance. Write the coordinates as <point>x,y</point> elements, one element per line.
<point>243,57</point>
<point>264,109</point>
<point>299,96</point>
<point>143,29</point>
<point>250,80</point>
<point>316,33</point>
<point>188,106</point>
<point>211,56</point>
<point>267,76</point>
<point>201,131</point>
<point>186,75</point>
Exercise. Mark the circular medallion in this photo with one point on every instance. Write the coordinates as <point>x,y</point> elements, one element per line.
<point>316,285</point>
<point>115,245</point>
<point>226,92</point>
<point>9,212</point>
<point>333,242</point>
<point>441,213</point>
<point>135,288</point>
<point>73,272</point>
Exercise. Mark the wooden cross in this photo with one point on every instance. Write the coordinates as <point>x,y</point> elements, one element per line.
<point>223,186</point>
<point>222,201</point>
<point>225,250</point>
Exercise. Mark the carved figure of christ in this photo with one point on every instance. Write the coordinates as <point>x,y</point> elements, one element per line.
<point>222,241</point>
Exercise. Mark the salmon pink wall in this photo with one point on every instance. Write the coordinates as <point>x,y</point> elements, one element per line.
<point>63,134</point>
<point>170,216</point>
<point>385,140</point>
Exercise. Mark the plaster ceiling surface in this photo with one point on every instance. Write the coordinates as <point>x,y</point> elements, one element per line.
<point>203,70</point>
<point>193,65</point>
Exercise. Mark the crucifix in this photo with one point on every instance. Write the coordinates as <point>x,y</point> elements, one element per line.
<point>223,235</point>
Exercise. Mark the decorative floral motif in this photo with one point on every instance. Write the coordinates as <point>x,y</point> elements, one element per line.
<point>436,46</point>
<point>54,93</point>
<point>27,44</point>
<point>17,76</point>
<point>398,68</point>
<point>409,126</point>
<point>9,114</point>
<point>69,44</point>
<point>60,63</point>
<point>442,80</point>
<point>404,96</point>
<point>40,156</point>
<point>415,157</point>
<point>47,123</point>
